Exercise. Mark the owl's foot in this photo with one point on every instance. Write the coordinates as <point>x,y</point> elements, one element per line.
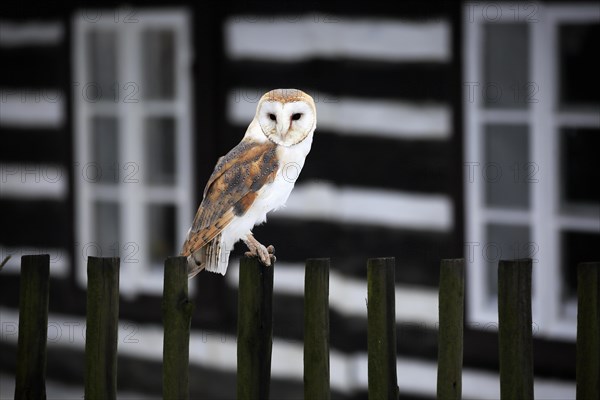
<point>265,254</point>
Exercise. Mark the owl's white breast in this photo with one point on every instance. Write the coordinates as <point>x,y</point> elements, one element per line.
<point>291,161</point>
<point>272,196</point>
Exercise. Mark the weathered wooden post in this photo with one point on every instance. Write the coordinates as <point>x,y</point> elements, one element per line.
<point>316,329</point>
<point>381,310</point>
<point>588,331</point>
<point>33,327</point>
<point>514,329</point>
<point>450,334</point>
<point>255,329</point>
<point>102,328</point>
<point>177,317</point>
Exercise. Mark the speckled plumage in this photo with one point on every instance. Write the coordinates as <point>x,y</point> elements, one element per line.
<point>251,180</point>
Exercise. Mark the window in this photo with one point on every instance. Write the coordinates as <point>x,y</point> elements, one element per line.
<point>133,161</point>
<point>532,101</point>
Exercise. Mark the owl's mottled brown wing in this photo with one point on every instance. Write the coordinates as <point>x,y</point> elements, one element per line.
<point>231,190</point>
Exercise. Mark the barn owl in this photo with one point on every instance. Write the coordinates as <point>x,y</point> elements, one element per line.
<point>255,177</point>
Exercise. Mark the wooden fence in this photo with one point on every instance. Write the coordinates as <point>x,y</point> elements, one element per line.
<point>255,329</point>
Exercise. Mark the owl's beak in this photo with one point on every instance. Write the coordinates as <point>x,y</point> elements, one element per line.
<point>282,128</point>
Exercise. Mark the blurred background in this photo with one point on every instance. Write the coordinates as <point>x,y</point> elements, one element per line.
<point>444,130</point>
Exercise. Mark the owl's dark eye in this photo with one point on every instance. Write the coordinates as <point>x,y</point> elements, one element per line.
<point>272,117</point>
<point>296,116</point>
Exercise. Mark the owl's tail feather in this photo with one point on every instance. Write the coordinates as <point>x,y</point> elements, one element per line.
<point>213,257</point>
<point>217,256</point>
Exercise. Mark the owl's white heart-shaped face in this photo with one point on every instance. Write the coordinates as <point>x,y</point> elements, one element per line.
<point>286,116</point>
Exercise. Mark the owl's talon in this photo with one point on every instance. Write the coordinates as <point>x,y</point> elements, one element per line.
<point>259,250</point>
<point>264,255</point>
<point>261,253</point>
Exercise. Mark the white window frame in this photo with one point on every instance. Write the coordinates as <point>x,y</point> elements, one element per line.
<point>551,317</point>
<point>137,275</point>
